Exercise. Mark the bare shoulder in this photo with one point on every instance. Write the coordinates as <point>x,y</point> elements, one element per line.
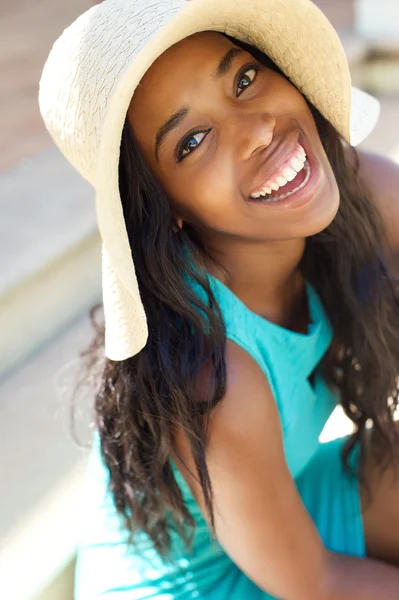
<point>248,394</point>
<point>241,419</point>
<point>381,176</point>
<point>243,373</point>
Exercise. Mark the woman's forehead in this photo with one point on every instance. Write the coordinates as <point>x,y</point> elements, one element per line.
<point>192,51</point>
<point>176,73</point>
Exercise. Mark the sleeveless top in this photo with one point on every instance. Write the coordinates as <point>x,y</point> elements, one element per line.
<point>205,571</point>
<point>288,360</point>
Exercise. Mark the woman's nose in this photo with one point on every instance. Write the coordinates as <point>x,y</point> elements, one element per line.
<point>254,133</point>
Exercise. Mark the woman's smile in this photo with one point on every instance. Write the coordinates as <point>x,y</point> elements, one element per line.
<point>287,173</point>
<point>297,192</point>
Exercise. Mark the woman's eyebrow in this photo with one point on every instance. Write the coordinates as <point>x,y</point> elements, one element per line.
<point>227,61</point>
<point>176,119</point>
<point>173,122</point>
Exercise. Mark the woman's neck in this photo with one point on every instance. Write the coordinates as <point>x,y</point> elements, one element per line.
<point>266,277</point>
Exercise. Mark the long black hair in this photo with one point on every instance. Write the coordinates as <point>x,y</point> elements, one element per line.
<point>141,399</point>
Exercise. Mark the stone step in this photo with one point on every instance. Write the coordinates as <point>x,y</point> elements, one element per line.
<point>49,254</point>
<point>42,470</point>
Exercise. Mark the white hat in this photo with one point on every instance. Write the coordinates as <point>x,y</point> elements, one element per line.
<point>95,66</point>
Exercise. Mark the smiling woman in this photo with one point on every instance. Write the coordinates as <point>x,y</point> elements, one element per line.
<point>246,294</point>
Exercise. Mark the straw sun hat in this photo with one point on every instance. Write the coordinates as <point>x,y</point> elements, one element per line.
<point>95,66</point>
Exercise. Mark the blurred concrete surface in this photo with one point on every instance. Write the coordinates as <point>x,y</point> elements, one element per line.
<point>50,253</point>
<point>27,31</point>
<point>339,12</point>
<point>378,21</point>
<point>385,138</point>
<point>42,468</point>
<point>49,278</point>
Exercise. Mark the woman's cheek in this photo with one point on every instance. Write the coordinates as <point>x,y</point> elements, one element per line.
<point>221,175</point>
<point>204,192</point>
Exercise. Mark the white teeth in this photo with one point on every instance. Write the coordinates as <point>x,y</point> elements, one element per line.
<point>281,181</point>
<point>289,173</point>
<point>263,193</point>
<point>302,152</point>
<point>297,164</point>
<point>283,196</point>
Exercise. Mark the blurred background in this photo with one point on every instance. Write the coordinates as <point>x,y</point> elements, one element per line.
<point>50,277</point>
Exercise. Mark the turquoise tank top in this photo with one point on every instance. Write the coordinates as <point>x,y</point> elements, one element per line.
<point>108,568</point>
<point>288,359</point>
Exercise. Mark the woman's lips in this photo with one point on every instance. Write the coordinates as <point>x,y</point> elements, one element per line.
<point>299,198</point>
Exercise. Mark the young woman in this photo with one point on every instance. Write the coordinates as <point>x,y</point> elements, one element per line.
<point>264,249</point>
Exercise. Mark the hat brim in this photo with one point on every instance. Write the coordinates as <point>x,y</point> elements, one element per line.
<point>365,112</point>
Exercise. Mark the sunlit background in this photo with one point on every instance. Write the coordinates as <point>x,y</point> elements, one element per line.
<point>50,277</point>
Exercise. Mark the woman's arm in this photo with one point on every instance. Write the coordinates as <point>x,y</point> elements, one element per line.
<point>260,519</point>
<point>352,578</point>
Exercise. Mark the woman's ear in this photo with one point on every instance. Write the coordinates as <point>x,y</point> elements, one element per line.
<point>178,224</point>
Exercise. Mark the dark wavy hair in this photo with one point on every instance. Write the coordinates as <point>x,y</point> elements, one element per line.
<point>140,400</point>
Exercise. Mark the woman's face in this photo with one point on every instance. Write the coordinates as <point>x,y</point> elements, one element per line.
<point>215,133</point>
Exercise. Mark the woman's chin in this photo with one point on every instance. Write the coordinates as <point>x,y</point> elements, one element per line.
<point>322,209</point>
<point>320,212</point>
<point>323,215</point>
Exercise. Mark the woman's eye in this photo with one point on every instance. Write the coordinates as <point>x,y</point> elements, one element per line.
<point>190,144</point>
<point>246,79</point>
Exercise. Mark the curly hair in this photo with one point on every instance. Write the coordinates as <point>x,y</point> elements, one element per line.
<point>140,400</point>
